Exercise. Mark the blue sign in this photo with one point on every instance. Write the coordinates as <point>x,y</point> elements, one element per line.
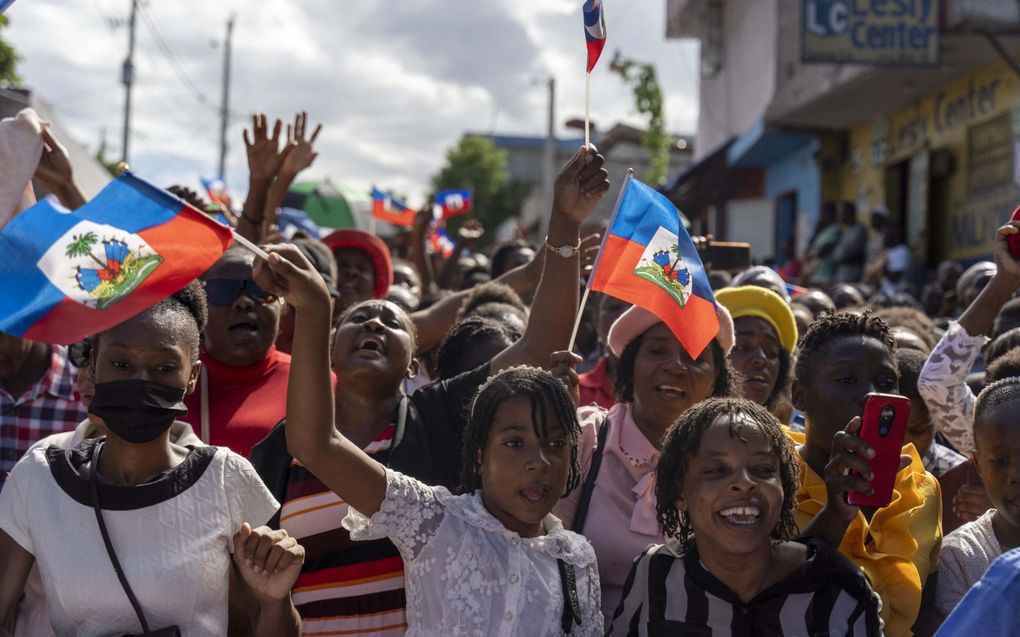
<point>876,32</point>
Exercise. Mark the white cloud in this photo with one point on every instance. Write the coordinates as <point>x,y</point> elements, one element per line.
<point>395,83</point>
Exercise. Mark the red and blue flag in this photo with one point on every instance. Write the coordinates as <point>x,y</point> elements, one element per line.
<point>454,202</point>
<point>648,259</point>
<point>67,275</point>
<point>441,242</point>
<point>391,210</point>
<point>594,30</point>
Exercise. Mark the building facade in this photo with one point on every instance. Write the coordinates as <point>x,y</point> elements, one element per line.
<point>934,140</point>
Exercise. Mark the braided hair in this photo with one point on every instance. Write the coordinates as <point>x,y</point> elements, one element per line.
<point>682,441</point>
<point>462,339</point>
<point>548,397</point>
<point>1000,393</point>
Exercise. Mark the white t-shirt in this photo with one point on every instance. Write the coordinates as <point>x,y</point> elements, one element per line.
<point>966,554</point>
<point>173,537</point>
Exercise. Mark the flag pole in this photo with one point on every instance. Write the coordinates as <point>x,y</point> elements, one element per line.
<point>259,252</point>
<point>594,268</point>
<point>587,91</point>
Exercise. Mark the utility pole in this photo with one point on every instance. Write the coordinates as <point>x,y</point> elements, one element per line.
<point>549,157</point>
<point>128,79</point>
<point>225,102</point>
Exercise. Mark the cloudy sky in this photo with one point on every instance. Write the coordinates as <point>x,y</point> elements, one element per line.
<point>395,83</point>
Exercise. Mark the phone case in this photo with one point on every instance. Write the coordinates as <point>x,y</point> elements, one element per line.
<point>1013,240</point>
<point>883,427</point>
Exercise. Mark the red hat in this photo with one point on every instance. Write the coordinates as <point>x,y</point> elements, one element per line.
<point>371,245</point>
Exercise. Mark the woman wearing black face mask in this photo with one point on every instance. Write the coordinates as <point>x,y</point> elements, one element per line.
<point>173,515</point>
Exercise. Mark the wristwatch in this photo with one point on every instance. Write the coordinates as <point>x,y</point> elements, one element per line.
<point>565,251</point>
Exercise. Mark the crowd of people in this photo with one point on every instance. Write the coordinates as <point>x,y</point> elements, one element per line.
<point>354,436</point>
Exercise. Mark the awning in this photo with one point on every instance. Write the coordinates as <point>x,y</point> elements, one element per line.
<point>761,146</point>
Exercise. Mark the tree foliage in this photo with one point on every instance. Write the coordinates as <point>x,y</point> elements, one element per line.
<point>642,79</point>
<point>8,59</point>
<point>475,162</point>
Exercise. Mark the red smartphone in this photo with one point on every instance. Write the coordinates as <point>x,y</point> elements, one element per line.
<point>883,427</point>
<point>1013,240</point>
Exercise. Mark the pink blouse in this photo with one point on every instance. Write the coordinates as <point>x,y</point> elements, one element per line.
<point>621,520</point>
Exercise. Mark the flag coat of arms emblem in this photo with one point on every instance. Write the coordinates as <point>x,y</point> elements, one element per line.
<point>594,31</point>
<point>454,202</point>
<point>391,210</point>
<point>648,259</point>
<point>67,275</point>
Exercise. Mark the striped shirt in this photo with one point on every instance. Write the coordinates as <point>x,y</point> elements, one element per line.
<point>345,587</point>
<point>668,593</point>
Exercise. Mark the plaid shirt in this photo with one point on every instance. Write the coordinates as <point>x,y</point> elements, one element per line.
<point>51,406</point>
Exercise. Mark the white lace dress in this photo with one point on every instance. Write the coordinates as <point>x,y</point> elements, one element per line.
<point>467,574</point>
<point>943,385</point>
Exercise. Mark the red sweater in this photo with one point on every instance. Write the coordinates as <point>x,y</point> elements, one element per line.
<point>244,402</point>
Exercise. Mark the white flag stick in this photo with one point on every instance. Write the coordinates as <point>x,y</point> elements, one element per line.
<point>259,252</point>
<point>587,91</point>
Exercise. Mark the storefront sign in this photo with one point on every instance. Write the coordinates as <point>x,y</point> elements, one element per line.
<point>990,154</point>
<point>878,32</point>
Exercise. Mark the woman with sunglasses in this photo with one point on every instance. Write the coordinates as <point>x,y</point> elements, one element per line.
<point>242,391</point>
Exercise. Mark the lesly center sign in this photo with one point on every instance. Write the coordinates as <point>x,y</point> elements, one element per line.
<point>879,32</point>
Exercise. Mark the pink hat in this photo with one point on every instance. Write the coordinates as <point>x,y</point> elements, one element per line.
<point>637,320</point>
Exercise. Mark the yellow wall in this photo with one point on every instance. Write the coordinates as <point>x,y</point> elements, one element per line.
<point>940,120</point>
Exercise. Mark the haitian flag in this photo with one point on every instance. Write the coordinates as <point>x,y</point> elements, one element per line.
<point>390,210</point>
<point>648,259</point>
<point>441,242</point>
<point>454,202</point>
<point>67,275</point>
<point>594,30</point>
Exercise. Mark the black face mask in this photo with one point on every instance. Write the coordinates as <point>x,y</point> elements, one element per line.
<point>137,410</point>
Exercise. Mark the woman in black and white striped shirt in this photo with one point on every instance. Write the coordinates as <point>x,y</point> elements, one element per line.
<point>726,486</point>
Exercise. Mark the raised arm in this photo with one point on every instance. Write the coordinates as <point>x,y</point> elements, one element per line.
<point>264,160</point>
<point>57,174</point>
<point>419,254</point>
<point>312,437</point>
<point>298,155</point>
<point>579,188</point>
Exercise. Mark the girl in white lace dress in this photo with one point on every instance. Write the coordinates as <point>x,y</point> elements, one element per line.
<point>491,562</point>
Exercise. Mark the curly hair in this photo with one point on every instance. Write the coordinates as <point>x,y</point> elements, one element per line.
<point>462,339</point>
<point>999,393</point>
<point>682,442</point>
<point>500,257</point>
<point>829,327</point>
<point>491,292</point>
<point>623,385</point>
<point>187,306</point>
<point>548,397</point>
<point>1005,366</point>
<point>1002,345</point>
<point>910,319</point>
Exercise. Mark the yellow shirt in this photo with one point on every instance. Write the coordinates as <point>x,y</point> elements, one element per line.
<point>905,537</point>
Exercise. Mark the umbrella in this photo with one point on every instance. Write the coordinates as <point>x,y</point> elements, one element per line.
<point>322,202</point>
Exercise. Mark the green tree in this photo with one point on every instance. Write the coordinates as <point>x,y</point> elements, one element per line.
<point>475,162</point>
<point>8,59</point>
<point>642,79</point>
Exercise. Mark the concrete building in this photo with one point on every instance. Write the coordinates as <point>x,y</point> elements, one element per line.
<point>779,132</point>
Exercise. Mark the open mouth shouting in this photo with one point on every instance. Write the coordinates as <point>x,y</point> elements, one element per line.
<point>536,493</point>
<point>244,329</point>
<point>372,345</point>
<point>671,392</point>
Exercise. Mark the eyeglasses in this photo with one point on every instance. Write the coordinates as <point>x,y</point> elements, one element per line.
<point>226,291</point>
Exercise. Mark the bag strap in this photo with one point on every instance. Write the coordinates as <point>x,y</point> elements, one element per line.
<point>94,486</point>
<point>588,487</point>
<point>571,605</point>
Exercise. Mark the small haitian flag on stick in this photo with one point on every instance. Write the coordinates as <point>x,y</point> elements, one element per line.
<point>648,259</point>
<point>452,203</point>
<point>390,210</point>
<point>594,31</point>
<point>68,275</point>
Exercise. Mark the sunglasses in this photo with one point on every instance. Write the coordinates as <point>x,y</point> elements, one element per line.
<point>226,291</point>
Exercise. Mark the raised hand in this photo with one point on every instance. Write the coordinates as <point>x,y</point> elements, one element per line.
<point>300,151</point>
<point>470,232</point>
<point>265,156</point>
<point>580,185</point>
<point>55,165</point>
<point>289,275</point>
<point>269,561</point>
<point>1004,261</point>
<point>563,365</point>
